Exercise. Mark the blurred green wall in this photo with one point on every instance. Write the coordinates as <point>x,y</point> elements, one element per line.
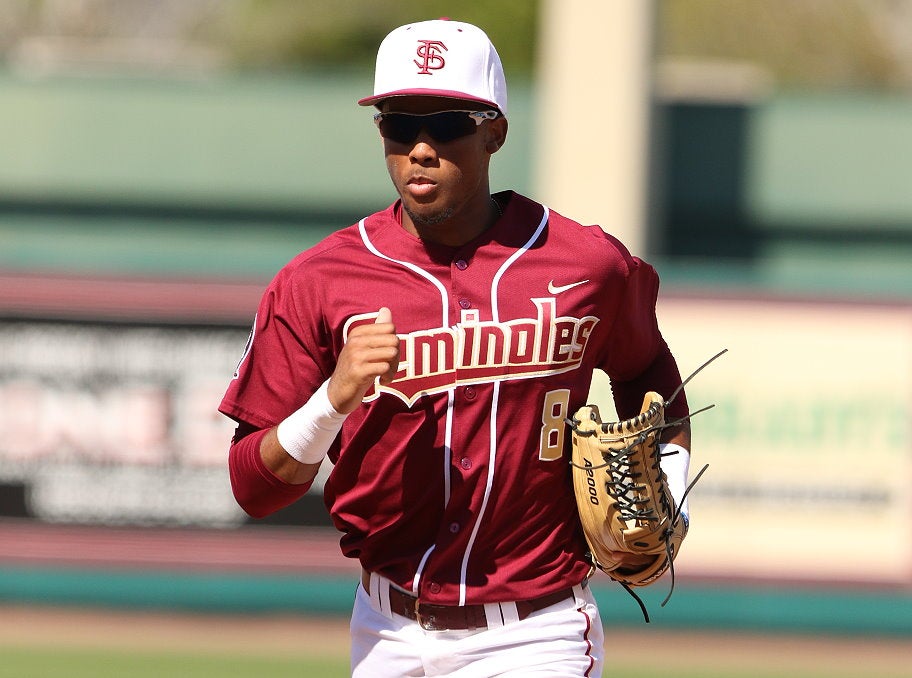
<point>232,176</point>
<point>194,177</point>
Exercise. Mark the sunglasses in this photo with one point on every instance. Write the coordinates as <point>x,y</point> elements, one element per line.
<point>445,126</point>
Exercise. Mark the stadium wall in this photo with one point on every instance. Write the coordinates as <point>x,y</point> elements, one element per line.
<point>139,221</point>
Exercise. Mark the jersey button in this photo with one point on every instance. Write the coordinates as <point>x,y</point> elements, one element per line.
<point>465,303</point>
<point>454,527</point>
<point>470,393</point>
<point>462,264</point>
<point>434,587</point>
<point>466,463</point>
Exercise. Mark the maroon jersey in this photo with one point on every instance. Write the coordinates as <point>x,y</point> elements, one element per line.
<point>453,480</point>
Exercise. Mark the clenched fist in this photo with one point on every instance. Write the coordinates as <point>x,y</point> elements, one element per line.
<point>371,351</point>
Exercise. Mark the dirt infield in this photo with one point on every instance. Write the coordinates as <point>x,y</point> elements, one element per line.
<point>290,636</point>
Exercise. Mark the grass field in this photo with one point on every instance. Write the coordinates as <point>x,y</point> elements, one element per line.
<point>37,662</point>
<point>80,643</point>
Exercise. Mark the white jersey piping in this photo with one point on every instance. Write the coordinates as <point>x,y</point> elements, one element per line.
<point>412,267</point>
<point>495,399</point>
<point>448,431</point>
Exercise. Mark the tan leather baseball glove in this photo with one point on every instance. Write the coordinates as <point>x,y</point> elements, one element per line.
<point>622,493</point>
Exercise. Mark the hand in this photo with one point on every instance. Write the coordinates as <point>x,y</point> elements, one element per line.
<point>371,351</point>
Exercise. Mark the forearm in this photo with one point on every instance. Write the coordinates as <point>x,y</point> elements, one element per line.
<point>273,467</point>
<point>675,463</point>
<point>259,489</point>
<point>282,464</point>
<point>677,435</point>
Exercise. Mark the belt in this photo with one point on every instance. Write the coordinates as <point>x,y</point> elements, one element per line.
<point>458,617</point>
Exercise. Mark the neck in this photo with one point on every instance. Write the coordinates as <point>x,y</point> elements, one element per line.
<point>458,228</point>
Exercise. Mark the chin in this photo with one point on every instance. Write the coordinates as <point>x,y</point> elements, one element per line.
<point>430,216</point>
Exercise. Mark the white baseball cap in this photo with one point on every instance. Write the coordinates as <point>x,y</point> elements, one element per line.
<point>439,58</point>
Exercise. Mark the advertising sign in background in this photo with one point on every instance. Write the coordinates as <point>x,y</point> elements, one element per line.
<point>808,445</point>
<point>116,424</point>
<point>810,467</point>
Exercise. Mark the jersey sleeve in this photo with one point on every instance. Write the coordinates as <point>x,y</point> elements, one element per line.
<point>637,358</point>
<point>287,356</point>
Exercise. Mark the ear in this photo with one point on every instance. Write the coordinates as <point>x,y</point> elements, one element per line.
<point>496,134</point>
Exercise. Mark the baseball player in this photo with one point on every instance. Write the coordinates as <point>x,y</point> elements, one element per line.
<point>432,352</point>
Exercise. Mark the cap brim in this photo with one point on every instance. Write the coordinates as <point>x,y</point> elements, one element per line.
<point>444,93</point>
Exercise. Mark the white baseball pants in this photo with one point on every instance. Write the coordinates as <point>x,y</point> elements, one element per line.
<point>563,640</point>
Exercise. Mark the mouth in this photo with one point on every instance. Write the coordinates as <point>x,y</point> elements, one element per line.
<point>420,186</point>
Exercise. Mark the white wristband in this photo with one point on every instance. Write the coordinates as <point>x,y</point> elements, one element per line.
<point>676,466</point>
<point>308,432</point>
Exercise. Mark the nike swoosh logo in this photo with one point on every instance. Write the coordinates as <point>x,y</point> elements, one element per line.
<point>557,289</point>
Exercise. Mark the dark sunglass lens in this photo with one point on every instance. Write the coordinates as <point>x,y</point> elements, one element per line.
<point>399,127</point>
<point>443,127</point>
<point>449,125</point>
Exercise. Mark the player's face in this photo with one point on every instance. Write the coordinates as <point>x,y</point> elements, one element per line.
<point>443,184</point>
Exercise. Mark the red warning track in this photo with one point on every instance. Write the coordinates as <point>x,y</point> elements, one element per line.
<point>128,298</point>
<point>251,549</point>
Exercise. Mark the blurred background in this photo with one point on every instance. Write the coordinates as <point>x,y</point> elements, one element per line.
<point>160,161</point>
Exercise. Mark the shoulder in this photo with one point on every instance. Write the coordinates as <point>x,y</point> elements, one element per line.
<point>588,242</point>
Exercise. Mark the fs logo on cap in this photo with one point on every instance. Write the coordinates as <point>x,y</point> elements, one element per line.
<point>431,56</point>
<point>459,54</point>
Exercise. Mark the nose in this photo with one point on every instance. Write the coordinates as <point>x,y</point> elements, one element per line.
<point>423,149</point>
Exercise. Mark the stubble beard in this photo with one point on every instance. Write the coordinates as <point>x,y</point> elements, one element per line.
<point>430,219</point>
